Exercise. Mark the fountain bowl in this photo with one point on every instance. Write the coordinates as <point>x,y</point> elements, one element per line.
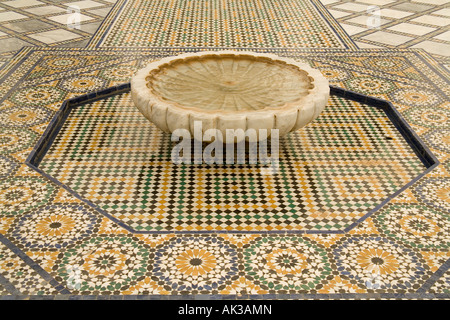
<point>229,90</point>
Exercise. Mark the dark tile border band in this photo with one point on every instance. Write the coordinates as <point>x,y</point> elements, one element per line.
<point>421,150</point>
<point>438,274</point>
<point>97,39</point>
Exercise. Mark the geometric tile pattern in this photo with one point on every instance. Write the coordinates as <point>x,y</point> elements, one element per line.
<point>331,173</point>
<point>18,274</point>
<point>380,263</point>
<point>400,252</point>
<point>102,260</point>
<point>249,24</point>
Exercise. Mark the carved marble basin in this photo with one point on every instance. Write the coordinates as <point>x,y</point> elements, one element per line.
<point>229,90</point>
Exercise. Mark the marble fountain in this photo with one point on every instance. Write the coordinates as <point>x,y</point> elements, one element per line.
<point>229,90</point>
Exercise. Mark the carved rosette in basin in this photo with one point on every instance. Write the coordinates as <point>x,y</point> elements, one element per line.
<point>229,90</point>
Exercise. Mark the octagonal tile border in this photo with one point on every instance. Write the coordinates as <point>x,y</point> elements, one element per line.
<point>421,150</point>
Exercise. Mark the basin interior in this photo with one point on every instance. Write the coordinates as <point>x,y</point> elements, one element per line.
<point>229,83</point>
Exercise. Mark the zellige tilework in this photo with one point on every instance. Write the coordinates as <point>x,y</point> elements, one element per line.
<point>230,23</point>
<point>399,251</point>
<point>330,174</point>
<point>400,24</point>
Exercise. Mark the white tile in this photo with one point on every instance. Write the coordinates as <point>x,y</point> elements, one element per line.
<point>438,2</point>
<point>8,16</point>
<point>377,2</point>
<point>66,18</point>
<point>413,29</point>
<point>436,21</point>
<point>45,10</point>
<point>394,13</point>
<point>84,4</point>
<point>443,36</point>
<point>352,30</point>
<point>443,12</point>
<point>351,6</point>
<point>22,3</point>
<point>338,14</point>
<point>434,47</point>
<point>387,38</point>
<point>54,36</point>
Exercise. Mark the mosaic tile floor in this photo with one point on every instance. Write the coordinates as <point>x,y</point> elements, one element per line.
<point>331,173</point>
<point>48,23</point>
<point>421,24</point>
<point>227,23</point>
<point>54,244</point>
